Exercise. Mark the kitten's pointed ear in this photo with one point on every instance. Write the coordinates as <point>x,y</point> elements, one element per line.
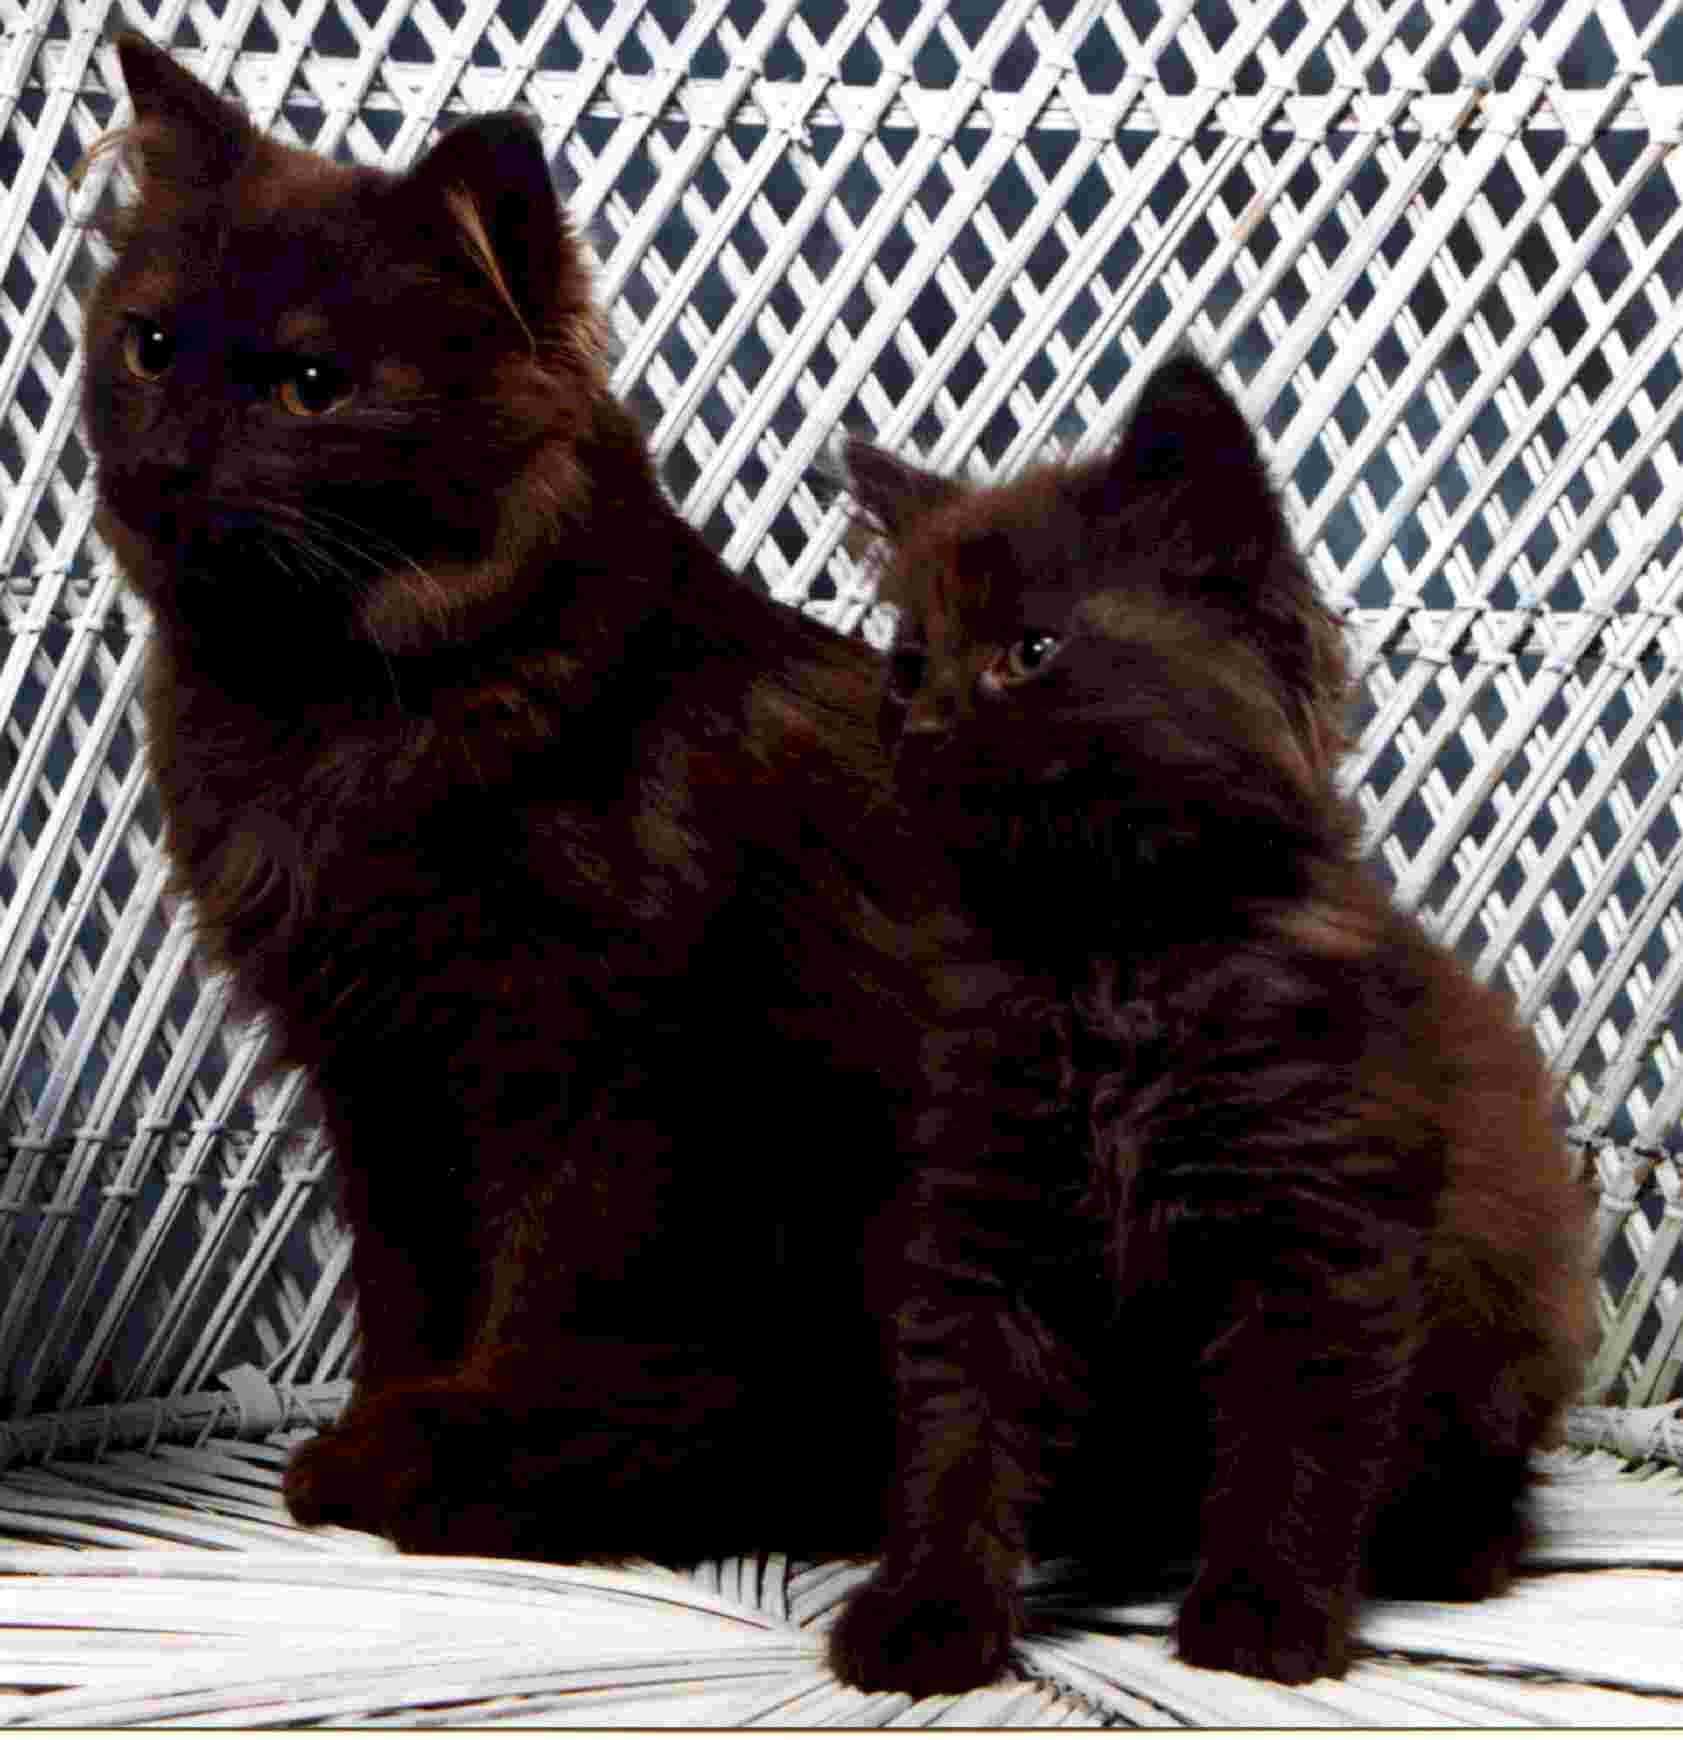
<point>893,491</point>
<point>1185,424</point>
<point>184,134</point>
<point>487,181</point>
<point>1189,447</point>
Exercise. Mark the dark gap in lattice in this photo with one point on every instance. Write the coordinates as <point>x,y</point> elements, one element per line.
<point>259,38</point>
<point>966,373</point>
<point>11,453</point>
<point>1099,63</point>
<point>788,308</point>
<point>331,38</point>
<point>676,353</point>
<point>1000,430</point>
<point>31,103</point>
<point>1012,204</point>
<point>1173,69</point>
<point>18,286</point>
<point>301,1255</point>
<point>1666,52</point>
<point>407,41</point>
<point>898,16</point>
<point>1287,25</point>
<point>1649,1206</point>
<point>56,340</point>
<point>674,238</point>
<point>1197,243</point>
<point>1409,31</point>
<point>930,315</point>
<point>303,114</point>
<point>1428,305</point>
<point>1618,1271</point>
<point>1151,310</point>
<point>1168,192</point>
<point>1661,384</point>
<point>933,64</point>
<point>1589,61</point>
<point>1040,374</point>
<point>1004,318</point>
<point>186,34</point>
<point>1078,317</point>
<point>595,13</point>
<point>1253,342</point>
<point>752,360</point>
<point>1509,885</point>
<point>48,521</point>
<point>716,416</point>
<point>1016,65</point>
<point>1216,20</point>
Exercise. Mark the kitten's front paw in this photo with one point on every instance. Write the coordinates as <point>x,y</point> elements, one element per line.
<point>1270,1632</point>
<point>923,1637</point>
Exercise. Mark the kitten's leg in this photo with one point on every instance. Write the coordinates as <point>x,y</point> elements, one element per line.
<point>1455,1528</point>
<point>983,1392</point>
<point>1304,1386</point>
<point>1458,1531</point>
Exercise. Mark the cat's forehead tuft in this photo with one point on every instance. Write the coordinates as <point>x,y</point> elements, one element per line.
<point>278,180</point>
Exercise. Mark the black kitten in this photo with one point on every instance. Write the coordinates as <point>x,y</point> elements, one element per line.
<point>1217,1139</point>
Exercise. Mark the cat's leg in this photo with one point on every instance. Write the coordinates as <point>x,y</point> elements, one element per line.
<point>984,1394</point>
<point>601,1408</point>
<point>1304,1382</point>
<point>415,1260</point>
<point>414,1253</point>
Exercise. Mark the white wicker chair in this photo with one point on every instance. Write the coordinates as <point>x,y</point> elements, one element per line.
<point>1438,250</point>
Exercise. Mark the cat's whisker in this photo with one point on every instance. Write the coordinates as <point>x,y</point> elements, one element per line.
<point>375,546</point>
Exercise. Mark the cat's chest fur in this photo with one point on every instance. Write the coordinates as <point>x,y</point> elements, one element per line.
<point>326,850</point>
<point>574,845</point>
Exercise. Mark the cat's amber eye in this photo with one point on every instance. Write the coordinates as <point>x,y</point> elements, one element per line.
<point>312,389</point>
<point>148,348</point>
<point>906,667</point>
<point>1026,657</point>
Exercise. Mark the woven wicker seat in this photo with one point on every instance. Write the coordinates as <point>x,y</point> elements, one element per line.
<point>1437,250</point>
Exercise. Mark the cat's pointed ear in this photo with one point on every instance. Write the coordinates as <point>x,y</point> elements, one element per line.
<point>184,135</point>
<point>489,179</point>
<point>1188,445</point>
<point>893,491</point>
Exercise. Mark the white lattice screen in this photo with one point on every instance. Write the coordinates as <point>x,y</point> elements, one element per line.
<point>1438,248</point>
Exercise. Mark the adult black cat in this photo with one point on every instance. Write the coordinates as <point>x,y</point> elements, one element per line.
<point>1287,1180</point>
<point>540,842</point>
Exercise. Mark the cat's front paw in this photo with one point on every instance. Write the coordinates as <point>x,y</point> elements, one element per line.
<point>922,1636</point>
<point>332,1479</point>
<point>1269,1631</point>
<point>417,1463</point>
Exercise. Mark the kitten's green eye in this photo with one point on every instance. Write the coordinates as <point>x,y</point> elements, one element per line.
<point>1027,658</point>
<point>148,349</point>
<point>312,389</point>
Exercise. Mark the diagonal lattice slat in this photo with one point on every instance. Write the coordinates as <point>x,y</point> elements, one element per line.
<point>1437,249</point>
